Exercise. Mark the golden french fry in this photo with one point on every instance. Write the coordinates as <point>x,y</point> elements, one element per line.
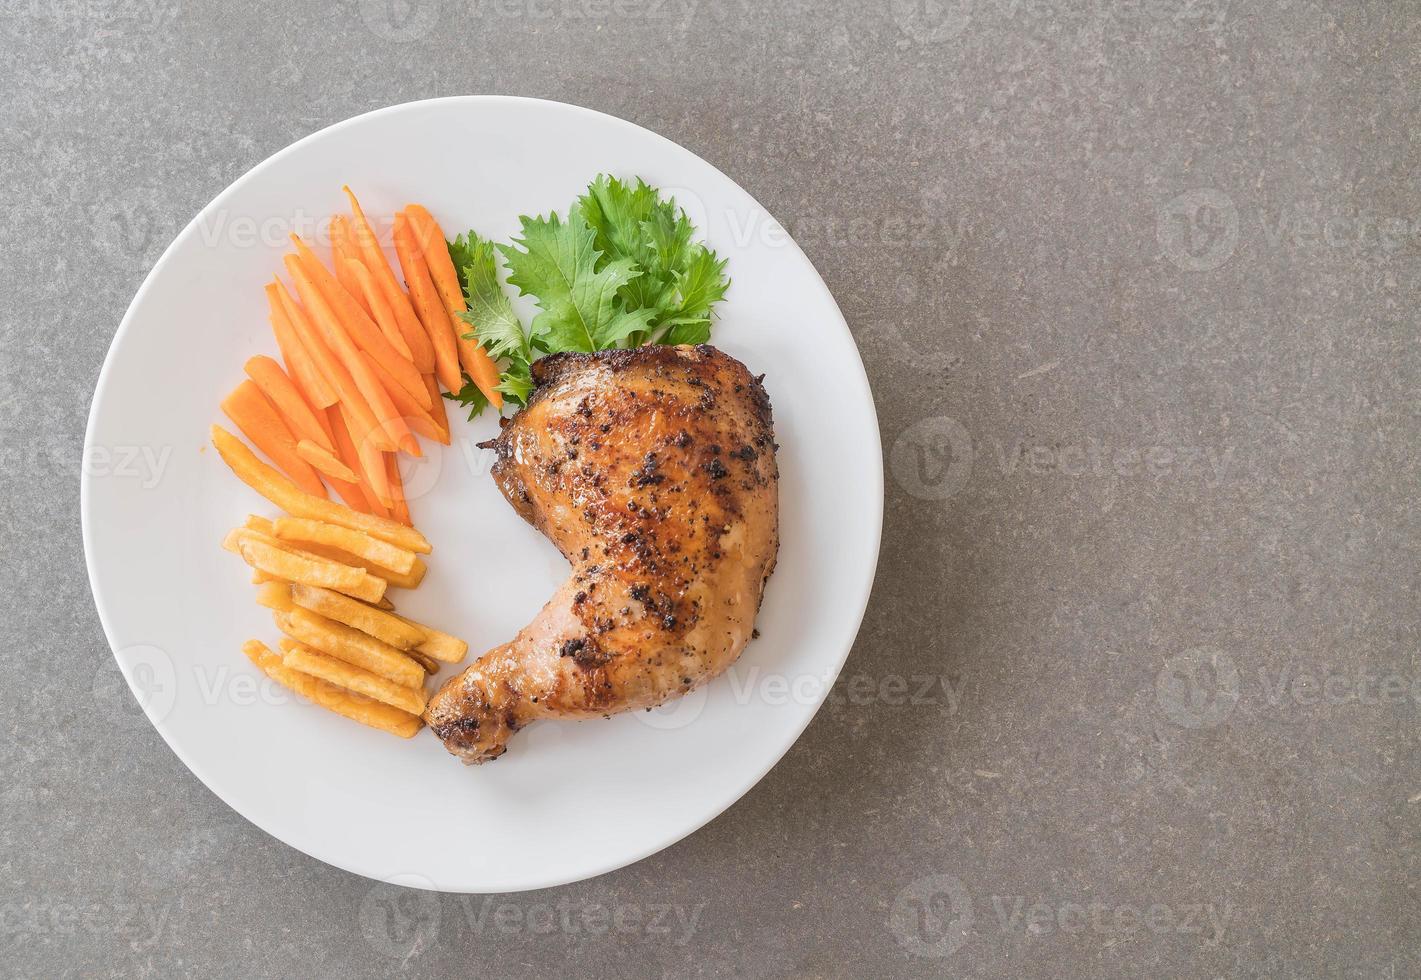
<point>350,645</point>
<point>329,696</point>
<point>358,615</point>
<point>307,570</point>
<point>276,595</point>
<point>251,531</point>
<point>296,568</point>
<point>440,646</point>
<point>289,497</point>
<point>265,528</point>
<point>430,665</point>
<point>308,661</point>
<point>401,580</point>
<point>357,543</point>
<point>406,580</point>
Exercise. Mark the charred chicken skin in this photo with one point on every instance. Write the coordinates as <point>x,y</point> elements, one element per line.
<point>653,471</point>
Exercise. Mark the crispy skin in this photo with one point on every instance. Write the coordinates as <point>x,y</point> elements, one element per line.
<point>653,471</point>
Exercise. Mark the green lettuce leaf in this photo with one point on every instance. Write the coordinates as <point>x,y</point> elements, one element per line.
<point>470,397</point>
<point>680,280</point>
<point>556,262</point>
<point>491,318</point>
<point>621,271</point>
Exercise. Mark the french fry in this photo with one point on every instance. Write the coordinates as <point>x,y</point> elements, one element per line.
<point>323,460</point>
<point>263,526</point>
<point>308,571</point>
<point>259,529</point>
<point>357,615</point>
<point>349,644</point>
<point>346,570</point>
<point>356,543</point>
<point>279,490</point>
<point>398,580</point>
<point>430,665</point>
<point>440,646</point>
<point>308,661</point>
<point>409,580</point>
<point>353,706</point>
<point>277,595</point>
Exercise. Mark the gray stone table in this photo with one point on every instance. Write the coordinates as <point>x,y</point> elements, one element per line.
<point>1135,282</point>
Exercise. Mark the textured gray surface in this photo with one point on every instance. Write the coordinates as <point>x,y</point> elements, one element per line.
<point>1135,282</point>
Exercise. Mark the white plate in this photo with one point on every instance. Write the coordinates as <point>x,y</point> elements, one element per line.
<point>569,800</point>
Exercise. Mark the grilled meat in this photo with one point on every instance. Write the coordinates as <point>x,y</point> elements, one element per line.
<point>653,471</point>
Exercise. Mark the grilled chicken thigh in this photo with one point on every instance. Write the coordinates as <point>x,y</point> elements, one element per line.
<point>653,471</point>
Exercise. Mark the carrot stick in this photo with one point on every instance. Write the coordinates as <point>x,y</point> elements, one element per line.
<point>298,359</point>
<point>343,251</point>
<point>366,455</point>
<point>417,418</point>
<point>331,368</point>
<point>385,316</point>
<point>279,390</point>
<point>372,300</point>
<point>477,363</point>
<point>431,308</point>
<point>345,349</point>
<point>401,509</point>
<point>437,412</point>
<point>322,459</point>
<point>353,492</point>
<point>346,304</point>
<point>361,329</point>
<point>376,481</point>
<point>260,422</point>
<point>325,423</point>
<point>374,259</point>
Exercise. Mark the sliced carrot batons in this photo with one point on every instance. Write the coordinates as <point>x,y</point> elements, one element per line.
<point>368,244</point>
<point>261,423</point>
<point>430,237</point>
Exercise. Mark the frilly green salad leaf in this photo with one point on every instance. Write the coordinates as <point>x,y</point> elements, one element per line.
<point>621,271</point>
